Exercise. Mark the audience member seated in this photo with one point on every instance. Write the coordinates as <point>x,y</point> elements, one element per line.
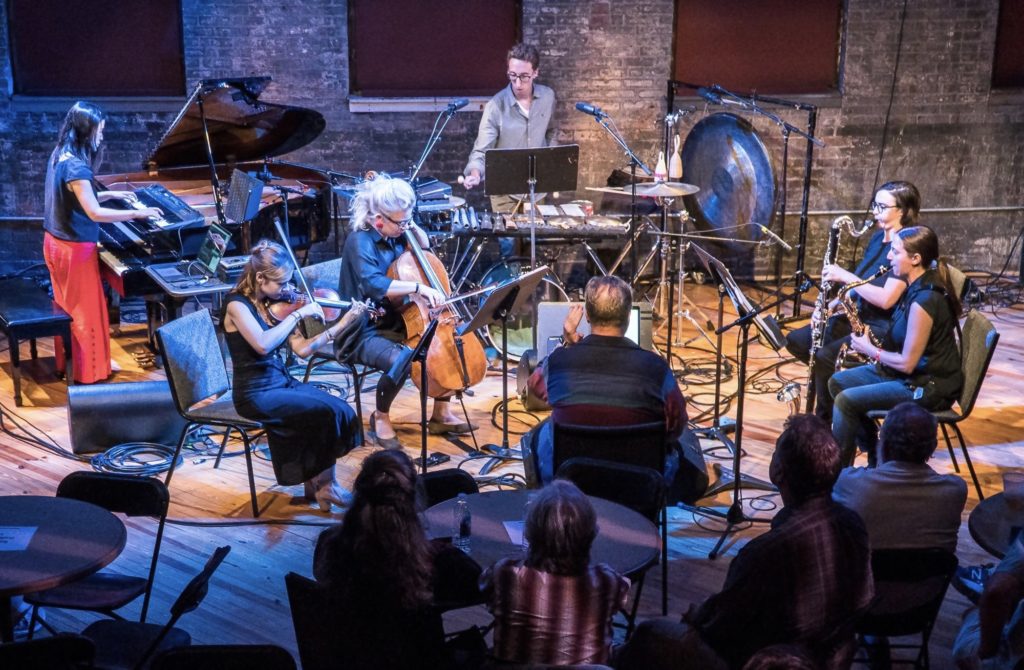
<point>781,657</point>
<point>992,635</point>
<point>554,607</point>
<point>603,379</point>
<point>903,502</point>
<point>803,582</point>
<point>384,574</point>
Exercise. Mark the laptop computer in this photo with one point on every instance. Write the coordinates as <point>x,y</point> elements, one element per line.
<point>204,267</point>
<point>551,315</point>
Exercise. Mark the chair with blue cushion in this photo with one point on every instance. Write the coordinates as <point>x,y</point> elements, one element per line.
<point>201,388</point>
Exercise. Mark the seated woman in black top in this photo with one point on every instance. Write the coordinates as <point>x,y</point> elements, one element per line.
<point>919,359</point>
<point>384,575</point>
<point>895,206</point>
<point>307,429</point>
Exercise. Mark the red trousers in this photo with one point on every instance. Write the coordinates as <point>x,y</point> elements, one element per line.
<point>77,288</point>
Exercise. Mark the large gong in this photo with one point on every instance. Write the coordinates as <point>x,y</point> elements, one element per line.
<point>725,157</point>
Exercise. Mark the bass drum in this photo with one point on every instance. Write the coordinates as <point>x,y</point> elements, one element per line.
<point>520,325</point>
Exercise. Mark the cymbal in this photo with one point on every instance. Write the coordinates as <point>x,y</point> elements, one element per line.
<point>666,189</point>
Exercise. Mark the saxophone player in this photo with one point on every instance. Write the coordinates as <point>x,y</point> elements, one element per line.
<point>896,205</point>
<point>918,360</point>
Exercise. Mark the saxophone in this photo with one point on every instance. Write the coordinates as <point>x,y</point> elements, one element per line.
<point>820,315</point>
<point>850,308</point>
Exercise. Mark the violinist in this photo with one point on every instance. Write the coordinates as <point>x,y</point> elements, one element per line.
<point>307,429</point>
<point>381,213</point>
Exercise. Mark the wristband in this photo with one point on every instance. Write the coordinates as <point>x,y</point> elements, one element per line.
<point>417,291</point>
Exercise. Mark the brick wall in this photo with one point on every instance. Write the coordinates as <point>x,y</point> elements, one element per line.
<point>960,144</point>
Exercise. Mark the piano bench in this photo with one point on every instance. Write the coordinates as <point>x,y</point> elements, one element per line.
<point>27,312</point>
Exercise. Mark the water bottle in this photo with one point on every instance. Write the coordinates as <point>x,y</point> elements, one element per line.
<point>462,523</point>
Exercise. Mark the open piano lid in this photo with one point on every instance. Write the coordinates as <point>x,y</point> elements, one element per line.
<point>242,128</point>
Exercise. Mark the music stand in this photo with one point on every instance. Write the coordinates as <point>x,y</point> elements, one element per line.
<point>545,169</point>
<point>747,315</point>
<point>504,301</point>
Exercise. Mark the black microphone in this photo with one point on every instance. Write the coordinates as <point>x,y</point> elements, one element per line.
<point>593,110</point>
<point>456,105</point>
<point>709,95</point>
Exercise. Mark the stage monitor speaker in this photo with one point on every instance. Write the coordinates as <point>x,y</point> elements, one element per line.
<point>691,480</point>
<point>101,416</point>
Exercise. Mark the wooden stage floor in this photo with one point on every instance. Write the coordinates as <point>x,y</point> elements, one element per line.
<point>247,601</point>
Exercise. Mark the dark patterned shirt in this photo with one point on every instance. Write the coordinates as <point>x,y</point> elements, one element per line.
<point>542,618</point>
<point>798,582</point>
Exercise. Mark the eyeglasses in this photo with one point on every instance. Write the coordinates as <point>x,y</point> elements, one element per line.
<point>523,78</point>
<point>403,224</point>
<point>879,207</point>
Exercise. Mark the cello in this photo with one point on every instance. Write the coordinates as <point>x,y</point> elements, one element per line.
<point>454,362</point>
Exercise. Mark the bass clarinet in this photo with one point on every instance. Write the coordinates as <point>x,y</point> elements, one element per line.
<point>819,317</point>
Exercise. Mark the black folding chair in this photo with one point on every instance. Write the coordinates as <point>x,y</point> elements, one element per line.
<point>105,592</point>
<point>130,645</point>
<point>225,657</point>
<point>441,485</point>
<point>644,445</point>
<point>910,585</point>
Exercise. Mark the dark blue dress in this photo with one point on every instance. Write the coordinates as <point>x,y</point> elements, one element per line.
<point>307,429</point>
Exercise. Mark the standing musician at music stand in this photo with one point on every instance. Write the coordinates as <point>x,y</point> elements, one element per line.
<point>381,213</point>
<point>895,206</point>
<point>517,117</point>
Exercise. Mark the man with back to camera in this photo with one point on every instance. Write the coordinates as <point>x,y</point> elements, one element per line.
<point>929,504</point>
<point>603,379</point>
<point>517,117</point>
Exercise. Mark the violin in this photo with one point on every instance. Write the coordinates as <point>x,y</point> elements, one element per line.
<point>291,299</point>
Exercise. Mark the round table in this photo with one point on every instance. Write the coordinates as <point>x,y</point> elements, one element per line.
<point>994,524</point>
<point>72,539</point>
<point>626,541</point>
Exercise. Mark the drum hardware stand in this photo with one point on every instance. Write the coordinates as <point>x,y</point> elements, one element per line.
<point>674,313</point>
<point>634,162</point>
<point>332,177</point>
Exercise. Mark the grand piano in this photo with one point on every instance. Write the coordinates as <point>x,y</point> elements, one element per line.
<point>244,133</point>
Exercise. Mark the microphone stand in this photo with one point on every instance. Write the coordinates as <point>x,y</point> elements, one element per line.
<point>435,137</point>
<point>634,163</point>
<point>752,105</point>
